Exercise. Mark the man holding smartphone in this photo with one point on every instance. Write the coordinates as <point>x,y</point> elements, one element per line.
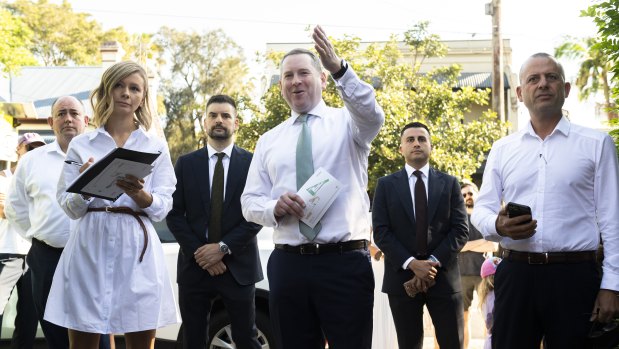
<point>548,285</point>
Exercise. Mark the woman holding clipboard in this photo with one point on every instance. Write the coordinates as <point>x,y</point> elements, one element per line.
<point>111,277</point>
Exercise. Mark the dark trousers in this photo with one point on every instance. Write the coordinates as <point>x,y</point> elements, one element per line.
<point>550,301</point>
<point>195,303</point>
<point>317,297</point>
<point>445,310</point>
<point>26,319</point>
<point>42,260</point>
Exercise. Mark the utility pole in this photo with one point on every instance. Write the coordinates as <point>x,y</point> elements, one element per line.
<point>498,86</point>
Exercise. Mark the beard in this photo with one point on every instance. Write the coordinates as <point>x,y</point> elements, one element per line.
<point>219,133</point>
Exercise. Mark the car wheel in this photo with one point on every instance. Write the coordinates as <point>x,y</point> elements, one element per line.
<point>220,333</point>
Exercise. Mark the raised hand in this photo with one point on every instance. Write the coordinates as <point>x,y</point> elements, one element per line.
<point>323,46</point>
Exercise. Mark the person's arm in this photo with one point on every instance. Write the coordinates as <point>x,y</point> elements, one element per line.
<point>606,198</point>
<point>73,204</point>
<point>458,233</point>
<point>488,201</point>
<point>163,184</point>
<point>359,97</point>
<point>177,217</point>
<point>256,202</point>
<point>384,237</point>
<point>17,205</point>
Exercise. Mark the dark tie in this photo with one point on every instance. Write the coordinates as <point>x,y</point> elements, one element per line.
<point>217,201</point>
<point>305,169</point>
<point>421,215</point>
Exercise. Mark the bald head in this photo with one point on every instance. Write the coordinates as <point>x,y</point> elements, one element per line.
<point>68,119</point>
<point>526,63</point>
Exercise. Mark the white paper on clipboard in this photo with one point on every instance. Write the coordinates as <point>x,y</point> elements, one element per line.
<point>318,193</point>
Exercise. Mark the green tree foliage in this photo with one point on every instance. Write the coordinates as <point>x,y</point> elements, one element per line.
<point>405,95</point>
<point>593,74</point>
<point>200,65</point>
<point>605,15</point>
<point>15,40</point>
<point>60,36</point>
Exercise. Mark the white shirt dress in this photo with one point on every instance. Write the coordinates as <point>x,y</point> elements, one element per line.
<point>100,286</point>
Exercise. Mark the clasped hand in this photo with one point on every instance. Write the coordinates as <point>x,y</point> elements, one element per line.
<point>209,258</point>
<point>517,228</point>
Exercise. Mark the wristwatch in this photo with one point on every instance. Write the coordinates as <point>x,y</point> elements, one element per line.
<point>223,248</point>
<point>343,67</point>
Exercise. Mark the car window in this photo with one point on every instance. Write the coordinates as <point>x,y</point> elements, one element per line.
<point>164,233</point>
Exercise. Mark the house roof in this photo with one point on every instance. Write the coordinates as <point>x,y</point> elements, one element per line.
<point>479,80</point>
<point>43,85</point>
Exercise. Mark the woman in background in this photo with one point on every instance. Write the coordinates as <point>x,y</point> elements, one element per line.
<point>112,276</point>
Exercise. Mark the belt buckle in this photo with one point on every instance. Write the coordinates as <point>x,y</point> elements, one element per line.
<point>534,261</point>
<point>305,249</point>
<point>107,209</point>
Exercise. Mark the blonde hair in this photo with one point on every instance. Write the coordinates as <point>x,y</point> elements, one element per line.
<point>485,287</point>
<point>101,97</point>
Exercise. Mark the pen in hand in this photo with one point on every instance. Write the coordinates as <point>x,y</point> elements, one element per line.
<point>71,162</point>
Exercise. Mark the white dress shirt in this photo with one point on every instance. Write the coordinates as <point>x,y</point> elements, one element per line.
<point>31,205</point>
<point>341,140</point>
<point>212,161</point>
<point>10,240</point>
<point>412,179</point>
<point>571,182</point>
<point>101,259</point>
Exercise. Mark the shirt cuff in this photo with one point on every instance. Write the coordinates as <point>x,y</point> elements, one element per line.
<point>408,261</point>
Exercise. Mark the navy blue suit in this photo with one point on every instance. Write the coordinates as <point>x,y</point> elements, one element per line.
<point>393,220</point>
<point>188,221</point>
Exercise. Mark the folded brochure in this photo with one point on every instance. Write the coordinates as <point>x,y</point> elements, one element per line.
<point>318,193</point>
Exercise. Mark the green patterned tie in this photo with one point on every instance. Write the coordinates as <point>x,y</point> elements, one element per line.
<point>305,169</point>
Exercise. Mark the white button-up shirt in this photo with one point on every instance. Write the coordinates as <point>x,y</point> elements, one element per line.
<point>571,182</point>
<point>31,205</point>
<point>10,240</point>
<point>341,140</point>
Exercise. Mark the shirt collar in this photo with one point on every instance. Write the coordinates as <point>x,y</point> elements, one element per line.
<point>101,131</point>
<point>319,110</point>
<point>54,147</point>
<point>227,150</point>
<point>563,126</point>
<point>425,170</point>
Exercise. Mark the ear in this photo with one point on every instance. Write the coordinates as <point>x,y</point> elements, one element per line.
<point>323,80</point>
<point>519,93</point>
<point>568,87</point>
<point>86,120</point>
<point>50,122</point>
<point>236,122</point>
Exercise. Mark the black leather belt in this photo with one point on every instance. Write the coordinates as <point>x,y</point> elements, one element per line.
<point>337,247</point>
<point>549,257</point>
<point>43,244</point>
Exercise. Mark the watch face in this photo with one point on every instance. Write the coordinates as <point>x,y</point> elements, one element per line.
<point>223,248</point>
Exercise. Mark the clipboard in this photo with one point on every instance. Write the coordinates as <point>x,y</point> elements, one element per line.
<point>99,180</point>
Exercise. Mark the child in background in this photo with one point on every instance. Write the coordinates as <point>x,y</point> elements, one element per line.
<point>486,295</point>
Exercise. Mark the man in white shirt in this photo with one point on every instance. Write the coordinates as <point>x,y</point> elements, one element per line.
<point>547,285</point>
<point>320,285</point>
<point>14,272</point>
<point>33,208</point>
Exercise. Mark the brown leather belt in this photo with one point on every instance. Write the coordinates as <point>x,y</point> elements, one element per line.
<point>549,257</point>
<point>129,211</point>
<point>337,247</point>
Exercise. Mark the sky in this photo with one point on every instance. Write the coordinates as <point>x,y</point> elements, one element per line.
<point>530,25</point>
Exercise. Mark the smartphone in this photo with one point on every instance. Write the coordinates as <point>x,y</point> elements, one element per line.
<point>515,210</point>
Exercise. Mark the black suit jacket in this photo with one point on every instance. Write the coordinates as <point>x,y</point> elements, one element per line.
<point>393,221</point>
<point>189,217</point>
